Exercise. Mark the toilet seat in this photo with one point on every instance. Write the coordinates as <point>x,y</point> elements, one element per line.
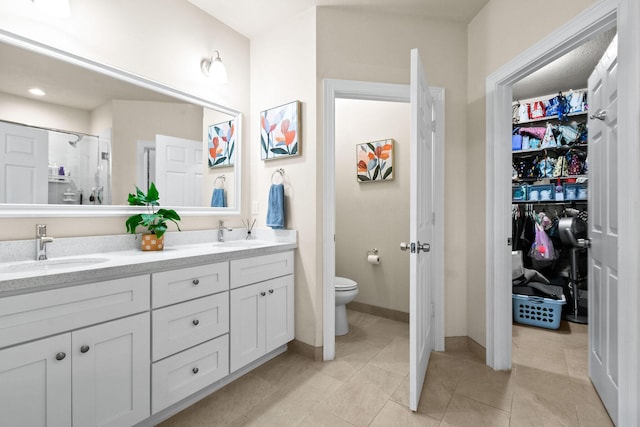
<point>344,284</point>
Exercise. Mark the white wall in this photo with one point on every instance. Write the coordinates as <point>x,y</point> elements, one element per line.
<point>371,46</point>
<point>373,215</point>
<point>496,35</point>
<point>30,112</point>
<point>163,41</point>
<point>283,69</point>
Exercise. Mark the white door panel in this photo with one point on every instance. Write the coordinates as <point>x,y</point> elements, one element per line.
<point>179,171</point>
<point>603,231</point>
<point>421,333</point>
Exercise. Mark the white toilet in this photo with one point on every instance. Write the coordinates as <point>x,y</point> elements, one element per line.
<point>346,291</point>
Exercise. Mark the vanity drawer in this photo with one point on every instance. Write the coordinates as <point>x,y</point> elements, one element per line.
<point>39,314</point>
<point>184,325</point>
<point>180,375</point>
<point>170,287</point>
<point>257,269</point>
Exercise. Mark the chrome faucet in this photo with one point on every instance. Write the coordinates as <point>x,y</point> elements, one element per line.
<point>220,231</point>
<point>41,242</point>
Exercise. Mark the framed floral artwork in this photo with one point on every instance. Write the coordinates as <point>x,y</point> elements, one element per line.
<point>280,131</point>
<point>221,143</point>
<point>374,161</point>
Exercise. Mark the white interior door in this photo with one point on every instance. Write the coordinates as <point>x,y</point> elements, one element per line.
<point>603,229</point>
<point>179,171</point>
<point>421,310</point>
<point>23,165</point>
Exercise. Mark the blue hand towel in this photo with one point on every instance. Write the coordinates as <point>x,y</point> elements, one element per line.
<point>218,198</point>
<point>275,211</point>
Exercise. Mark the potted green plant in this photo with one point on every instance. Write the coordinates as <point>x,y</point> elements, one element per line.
<point>154,220</point>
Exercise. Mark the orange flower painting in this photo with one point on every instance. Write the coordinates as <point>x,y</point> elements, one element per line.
<point>280,131</point>
<point>374,161</point>
<point>221,143</point>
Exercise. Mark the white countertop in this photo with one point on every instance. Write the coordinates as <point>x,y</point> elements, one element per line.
<point>23,276</point>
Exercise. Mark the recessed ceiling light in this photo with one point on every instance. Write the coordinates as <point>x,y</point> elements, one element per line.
<point>37,91</point>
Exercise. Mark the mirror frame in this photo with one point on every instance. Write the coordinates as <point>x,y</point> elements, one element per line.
<point>40,210</point>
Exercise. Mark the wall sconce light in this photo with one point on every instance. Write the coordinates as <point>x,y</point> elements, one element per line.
<point>215,68</point>
<point>57,8</point>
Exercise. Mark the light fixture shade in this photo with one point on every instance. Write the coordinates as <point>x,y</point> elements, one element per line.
<point>214,68</point>
<point>57,8</point>
<point>218,71</point>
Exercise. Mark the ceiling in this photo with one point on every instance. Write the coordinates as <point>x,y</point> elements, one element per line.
<point>570,71</point>
<point>65,84</point>
<point>250,17</point>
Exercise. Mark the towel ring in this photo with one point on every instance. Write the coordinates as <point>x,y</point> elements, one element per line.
<point>219,178</point>
<point>280,172</point>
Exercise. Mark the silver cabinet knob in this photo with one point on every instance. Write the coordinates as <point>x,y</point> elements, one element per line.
<point>61,355</point>
<point>270,291</point>
<point>195,370</point>
<point>84,349</point>
<point>195,282</point>
<point>195,322</point>
<point>263,293</point>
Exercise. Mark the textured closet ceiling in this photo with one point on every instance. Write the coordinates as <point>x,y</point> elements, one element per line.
<point>568,72</point>
<point>250,17</point>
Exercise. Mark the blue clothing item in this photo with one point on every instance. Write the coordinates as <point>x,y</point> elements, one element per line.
<point>218,198</point>
<point>275,211</point>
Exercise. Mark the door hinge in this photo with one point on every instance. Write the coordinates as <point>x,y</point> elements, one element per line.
<point>433,310</point>
<point>433,218</point>
<point>509,241</point>
<point>433,125</point>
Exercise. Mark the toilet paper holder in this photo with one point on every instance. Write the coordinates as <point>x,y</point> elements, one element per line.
<point>373,252</point>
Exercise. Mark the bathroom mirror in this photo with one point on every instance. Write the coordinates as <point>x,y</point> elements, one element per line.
<point>104,131</point>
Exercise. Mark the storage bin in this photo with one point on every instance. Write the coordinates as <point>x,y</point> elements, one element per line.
<point>519,193</point>
<point>538,311</point>
<point>541,192</point>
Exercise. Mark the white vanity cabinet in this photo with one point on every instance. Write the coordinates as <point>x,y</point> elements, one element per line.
<point>94,371</point>
<point>262,313</point>
<point>190,319</point>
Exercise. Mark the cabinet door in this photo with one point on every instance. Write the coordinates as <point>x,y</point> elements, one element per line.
<point>246,329</point>
<point>35,387</point>
<point>279,312</point>
<point>111,372</point>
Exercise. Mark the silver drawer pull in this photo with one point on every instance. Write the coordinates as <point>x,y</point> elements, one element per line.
<point>195,370</point>
<point>84,349</point>
<point>195,282</point>
<point>195,322</point>
<point>263,293</point>
<point>61,355</point>
<point>270,291</point>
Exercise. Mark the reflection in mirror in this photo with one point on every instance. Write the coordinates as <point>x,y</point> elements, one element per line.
<point>104,131</point>
<point>47,166</point>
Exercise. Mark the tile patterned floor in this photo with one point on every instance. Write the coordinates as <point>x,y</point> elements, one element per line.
<point>367,385</point>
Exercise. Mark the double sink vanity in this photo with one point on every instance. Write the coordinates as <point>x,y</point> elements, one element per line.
<point>121,337</point>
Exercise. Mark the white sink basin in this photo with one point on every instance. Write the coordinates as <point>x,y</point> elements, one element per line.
<point>51,264</point>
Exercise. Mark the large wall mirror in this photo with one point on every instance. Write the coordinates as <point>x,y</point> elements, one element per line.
<point>98,132</point>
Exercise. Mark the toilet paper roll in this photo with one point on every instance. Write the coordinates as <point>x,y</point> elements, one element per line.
<point>373,259</point>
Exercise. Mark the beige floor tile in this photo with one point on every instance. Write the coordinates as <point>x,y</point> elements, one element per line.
<point>323,419</point>
<point>350,358</point>
<point>356,404</point>
<point>371,375</point>
<point>449,368</point>
<point>283,368</point>
<point>592,414</point>
<point>577,362</point>
<point>533,409</point>
<point>463,412</point>
<point>434,399</point>
<point>394,357</point>
<point>226,405</point>
<point>495,388</point>
<point>384,331</point>
<point>394,414</point>
<point>542,382</point>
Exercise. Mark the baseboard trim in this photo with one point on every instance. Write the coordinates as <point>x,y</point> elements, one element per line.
<point>306,350</point>
<point>388,313</point>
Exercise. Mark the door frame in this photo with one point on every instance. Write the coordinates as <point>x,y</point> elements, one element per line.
<point>351,89</point>
<point>601,16</point>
